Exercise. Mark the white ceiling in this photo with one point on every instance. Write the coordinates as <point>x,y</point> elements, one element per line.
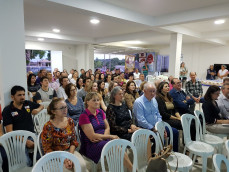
<point>148,21</point>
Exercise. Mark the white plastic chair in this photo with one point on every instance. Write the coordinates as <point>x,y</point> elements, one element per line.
<point>45,104</point>
<point>54,162</point>
<point>150,78</point>
<point>114,152</point>
<point>217,161</point>
<point>215,141</point>
<point>14,144</point>
<point>195,147</point>
<point>40,119</point>
<point>227,148</point>
<point>39,144</point>
<point>184,162</point>
<point>140,141</point>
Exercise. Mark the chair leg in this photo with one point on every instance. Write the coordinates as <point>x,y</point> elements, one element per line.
<point>204,165</point>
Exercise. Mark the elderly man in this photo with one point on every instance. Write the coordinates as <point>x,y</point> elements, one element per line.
<point>180,98</point>
<point>223,101</point>
<point>194,90</point>
<point>147,113</point>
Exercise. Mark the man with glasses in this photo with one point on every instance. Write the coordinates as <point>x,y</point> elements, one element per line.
<point>223,101</point>
<point>180,98</point>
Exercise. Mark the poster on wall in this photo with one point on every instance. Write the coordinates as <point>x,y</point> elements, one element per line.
<point>150,61</point>
<point>142,59</point>
<point>130,62</point>
<point>37,60</point>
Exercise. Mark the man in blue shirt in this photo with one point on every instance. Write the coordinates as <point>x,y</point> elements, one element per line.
<point>180,99</point>
<point>147,114</point>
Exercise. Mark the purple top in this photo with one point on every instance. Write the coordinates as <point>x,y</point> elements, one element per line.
<point>88,148</point>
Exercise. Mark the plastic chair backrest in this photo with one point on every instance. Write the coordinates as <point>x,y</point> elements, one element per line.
<point>39,144</point>
<point>140,141</point>
<point>54,162</point>
<point>45,104</point>
<point>160,127</point>
<point>114,152</point>
<point>14,144</point>
<point>200,115</point>
<point>3,128</point>
<point>40,119</point>
<point>150,78</point>
<point>217,160</point>
<point>186,120</point>
<point>227,148</point>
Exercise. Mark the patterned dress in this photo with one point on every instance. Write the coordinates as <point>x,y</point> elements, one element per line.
<point>88,148</point>
<point>58,139</point>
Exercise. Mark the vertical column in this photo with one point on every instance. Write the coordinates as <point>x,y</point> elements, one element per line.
<point>175,54</point>
<point>12,48</point>
<point>85,56</point>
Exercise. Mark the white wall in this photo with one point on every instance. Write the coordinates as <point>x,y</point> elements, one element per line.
<point>199,56</point>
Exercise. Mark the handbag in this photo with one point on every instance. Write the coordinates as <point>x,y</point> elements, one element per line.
<point>158,163</point>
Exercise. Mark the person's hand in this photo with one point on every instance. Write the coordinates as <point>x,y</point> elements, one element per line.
<point>68,164</point>
<point>197,100</point>
<point>96,140</point>
<point>29,144</point>
<point>187,98</point>
<point>165,134</point>
<point>112,137</point>
<point>134,128</point>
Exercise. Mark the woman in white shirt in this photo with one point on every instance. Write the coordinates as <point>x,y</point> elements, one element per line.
<point>74,78</point>
<point>223,72</point>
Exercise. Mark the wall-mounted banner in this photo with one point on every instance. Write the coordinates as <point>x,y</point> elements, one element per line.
<point>130,62</point>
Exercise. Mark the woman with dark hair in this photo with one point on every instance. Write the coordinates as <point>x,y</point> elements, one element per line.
<point>131,94</point>
<point>118,115</point>
<point>31,83</point>
<point>74,103</point>
<point>97,76</point>
<point>212,112</point>
<point>107,81</point>
<point>79,83</point>
<point>166,107</point>
<point>92,76</point>
<point>102,77</point>
<point>101,88</point>
<point>59,133</point>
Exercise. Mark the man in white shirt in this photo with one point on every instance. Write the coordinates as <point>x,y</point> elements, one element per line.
<point>136,74</point>
<point>223,101</point>
<point>61,92</point>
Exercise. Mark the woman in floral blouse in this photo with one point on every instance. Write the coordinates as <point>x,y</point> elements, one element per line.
<point>118,115</point>
<point>59,133</point>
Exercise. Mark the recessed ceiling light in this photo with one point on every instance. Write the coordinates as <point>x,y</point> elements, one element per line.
<point>94,21</point>
<point>40,39</point>
<point>219,21</point>
<point>132,42</point>
<point>56,30</point>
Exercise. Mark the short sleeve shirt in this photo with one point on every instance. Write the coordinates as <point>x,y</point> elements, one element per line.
<point>20,118</point>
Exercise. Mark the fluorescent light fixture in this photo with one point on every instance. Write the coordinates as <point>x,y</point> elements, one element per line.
<point>219,21</point>
<point>132,42</point>
<point>40,39</point>
<point>56,30</point>
<point>94,21</point>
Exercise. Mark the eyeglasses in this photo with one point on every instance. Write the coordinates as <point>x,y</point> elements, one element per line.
<point>62,108</point>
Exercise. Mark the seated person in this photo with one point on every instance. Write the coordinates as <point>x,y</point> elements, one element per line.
<point>147,114</point>
<point>131,94</point>
<point>75,104</point>
<point>212,112</point>
<point>59,133</point>
<point>211,73</point>
<point>33,87</point>
<point>83,91</point>
<point>95,130</point>
<point>3,156</point>
<point>223,101</point>
<point>180,99</point>
<point>60,92</point>
<point>118,116</point>
<point>18,115</point>
<point>45,94</point>
<point>223,72</point>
